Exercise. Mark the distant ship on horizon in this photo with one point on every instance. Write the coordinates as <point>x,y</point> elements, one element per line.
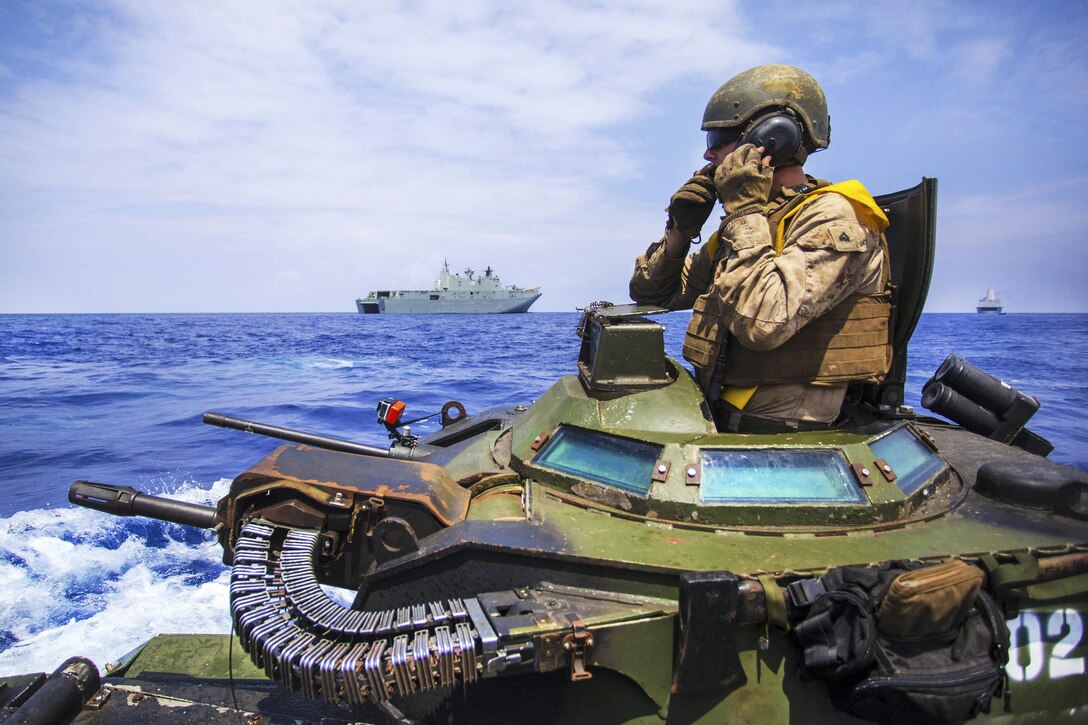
<point>991,303</point>
<point>453,294</point>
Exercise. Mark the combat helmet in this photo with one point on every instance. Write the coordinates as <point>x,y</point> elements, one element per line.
<point>767,90</point>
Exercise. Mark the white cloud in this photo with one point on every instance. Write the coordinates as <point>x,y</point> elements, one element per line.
<point>292,155</point>
<point>199,131</point>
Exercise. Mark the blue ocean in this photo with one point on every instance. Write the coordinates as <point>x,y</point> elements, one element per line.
<point>119,398</point>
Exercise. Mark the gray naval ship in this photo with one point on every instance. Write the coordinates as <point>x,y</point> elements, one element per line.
<point>453,293</point>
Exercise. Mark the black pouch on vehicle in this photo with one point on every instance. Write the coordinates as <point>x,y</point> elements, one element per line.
<point>947,677</point>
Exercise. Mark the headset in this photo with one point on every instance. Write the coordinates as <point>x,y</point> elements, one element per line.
<point>779,135</point>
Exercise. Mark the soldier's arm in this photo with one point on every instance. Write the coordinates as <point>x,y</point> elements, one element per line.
<point>665,276</point>
<point>826,257</point>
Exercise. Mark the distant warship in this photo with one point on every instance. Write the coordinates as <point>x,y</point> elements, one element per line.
<point>453,293</point>
<point>991,303</point>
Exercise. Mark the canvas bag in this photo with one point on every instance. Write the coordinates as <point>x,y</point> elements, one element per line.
<point>945,676</point>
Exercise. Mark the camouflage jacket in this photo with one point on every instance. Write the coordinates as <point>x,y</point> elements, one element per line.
<point>830,252</point>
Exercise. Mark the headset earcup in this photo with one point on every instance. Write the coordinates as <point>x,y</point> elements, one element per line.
<point>780,135</point>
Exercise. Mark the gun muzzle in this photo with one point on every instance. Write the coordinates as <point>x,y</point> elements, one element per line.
<point>59,697</point>
<point>126,501</point>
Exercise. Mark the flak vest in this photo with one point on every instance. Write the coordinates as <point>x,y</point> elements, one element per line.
<point>849,342</point>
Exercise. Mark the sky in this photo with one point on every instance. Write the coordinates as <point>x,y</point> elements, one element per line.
<point>289,156</point>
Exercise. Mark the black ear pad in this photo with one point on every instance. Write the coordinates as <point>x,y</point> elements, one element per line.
<point>780,135</point>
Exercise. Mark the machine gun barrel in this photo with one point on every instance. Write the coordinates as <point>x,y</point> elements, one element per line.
<point>297,436</point>
<point>126,501</point>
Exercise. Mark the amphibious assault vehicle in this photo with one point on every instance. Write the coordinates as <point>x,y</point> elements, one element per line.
<point>606,555</point>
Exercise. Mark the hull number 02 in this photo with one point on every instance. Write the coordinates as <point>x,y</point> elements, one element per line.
<point>1043,643</point>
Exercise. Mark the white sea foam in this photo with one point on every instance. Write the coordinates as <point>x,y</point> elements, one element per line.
<point>332,364</point>
<point>75,581</point>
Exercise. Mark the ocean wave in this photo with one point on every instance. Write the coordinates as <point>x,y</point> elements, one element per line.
<point>76,581</point>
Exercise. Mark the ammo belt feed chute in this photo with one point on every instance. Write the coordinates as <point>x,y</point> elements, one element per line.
<point>310,643</point>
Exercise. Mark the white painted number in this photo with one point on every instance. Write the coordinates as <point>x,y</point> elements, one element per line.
<point>1061,664</point>
<point>1064,630</point>
<point>1027,622</point>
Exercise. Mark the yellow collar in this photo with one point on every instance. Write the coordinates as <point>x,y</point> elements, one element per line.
<point>854,191</point>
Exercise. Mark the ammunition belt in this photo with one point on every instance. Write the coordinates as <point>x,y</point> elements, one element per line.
<point>310,643</point>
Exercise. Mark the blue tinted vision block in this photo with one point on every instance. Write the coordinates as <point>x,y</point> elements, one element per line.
<point>777,476</point>
<point>913,463</point>
<point>621,462</point>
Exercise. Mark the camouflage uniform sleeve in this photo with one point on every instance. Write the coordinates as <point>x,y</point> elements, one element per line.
<point>669,282</point>
<point>830,252</point>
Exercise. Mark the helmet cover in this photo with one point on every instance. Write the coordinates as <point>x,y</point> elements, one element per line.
<point>764,90</point>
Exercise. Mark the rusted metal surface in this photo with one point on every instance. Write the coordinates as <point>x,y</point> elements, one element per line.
<point>1062,566</point>
<point>885,470</point>
<point>862,473</point>
<point>693,473</point>
<point>423,484</point>
<point>661,471</point>
<point>602,495</point>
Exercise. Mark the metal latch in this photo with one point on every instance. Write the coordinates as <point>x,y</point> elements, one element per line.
<point>98,699</point>
<point>373,510</point>
<point>661,471</point>
<point>578,643</point>
<point>863,474</point>
<point>926,438</point>
<point>885,469</point>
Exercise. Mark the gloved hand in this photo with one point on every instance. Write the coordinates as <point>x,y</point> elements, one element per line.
<point>744,180</point>
<point>691,205</point>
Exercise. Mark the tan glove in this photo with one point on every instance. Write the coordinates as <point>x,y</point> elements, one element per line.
<point>744,180</point>
<point>691,205</point>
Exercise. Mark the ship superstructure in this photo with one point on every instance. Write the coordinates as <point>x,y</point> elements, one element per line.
<point>991,303</point>
<point>453,294</point>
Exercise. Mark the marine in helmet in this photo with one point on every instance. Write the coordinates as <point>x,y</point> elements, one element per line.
<point>791,295</point>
